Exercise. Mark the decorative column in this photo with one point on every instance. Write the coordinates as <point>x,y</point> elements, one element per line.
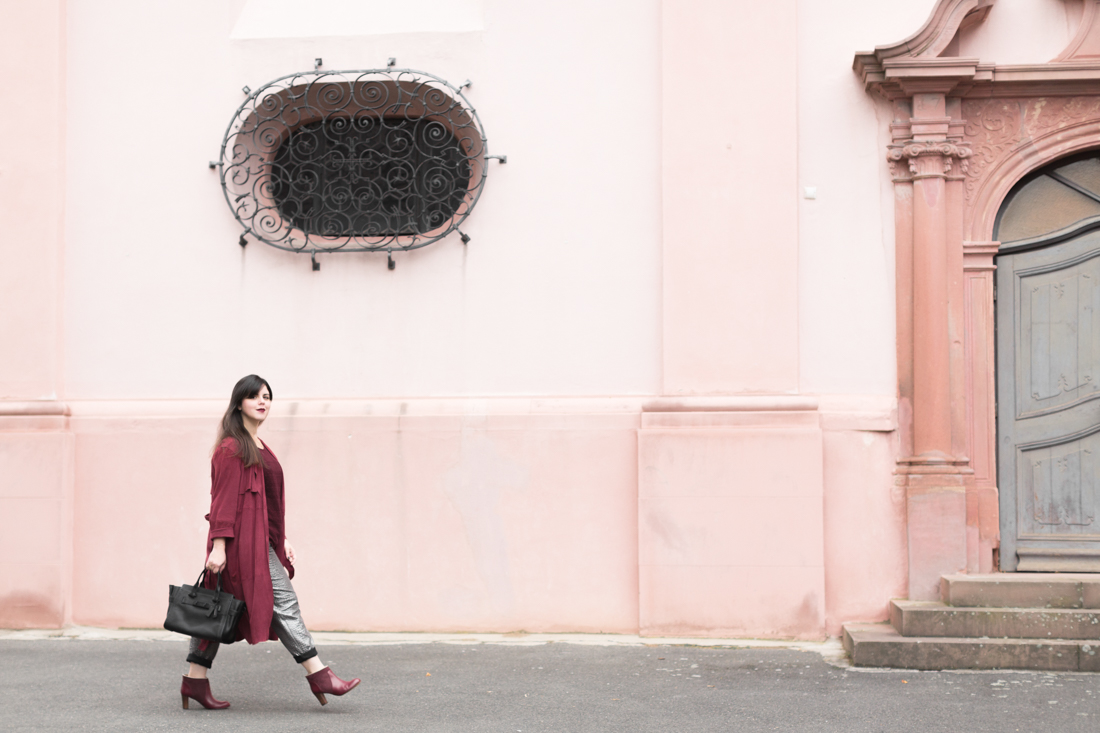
<point>927,155</point>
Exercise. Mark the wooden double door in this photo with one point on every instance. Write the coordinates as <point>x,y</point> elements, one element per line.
<point>1048,372</point>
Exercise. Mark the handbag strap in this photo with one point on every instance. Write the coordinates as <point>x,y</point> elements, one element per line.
<point>199,582</point>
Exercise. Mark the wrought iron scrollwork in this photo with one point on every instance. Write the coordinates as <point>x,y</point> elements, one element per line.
<point>379,160</point>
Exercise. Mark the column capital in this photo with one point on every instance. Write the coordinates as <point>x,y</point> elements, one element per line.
<point>916,159</point>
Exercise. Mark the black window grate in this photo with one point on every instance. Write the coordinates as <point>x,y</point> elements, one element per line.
<point>378,161</point>
<point>369,177</point>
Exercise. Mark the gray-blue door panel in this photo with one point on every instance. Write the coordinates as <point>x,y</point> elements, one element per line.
<point>1048,405</point>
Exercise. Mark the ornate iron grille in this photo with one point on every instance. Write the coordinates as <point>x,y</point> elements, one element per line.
<point>380,160</point>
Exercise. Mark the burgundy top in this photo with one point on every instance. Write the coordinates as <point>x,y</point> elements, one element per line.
<point>273,490</point>
<point>239,512</point>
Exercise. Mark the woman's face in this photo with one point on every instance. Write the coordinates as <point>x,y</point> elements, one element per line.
<point>258,406</point>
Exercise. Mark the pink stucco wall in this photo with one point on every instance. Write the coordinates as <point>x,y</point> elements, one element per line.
<point>35,452</point>
<point>724,161</point>
<point>730,523</point>
<point>36,494</point>
<point>32,169</point>
<point>655,392</point>
<point>558,291</point>
<point>445,521</point>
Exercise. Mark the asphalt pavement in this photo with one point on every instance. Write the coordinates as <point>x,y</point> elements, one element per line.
<point>465,684</point>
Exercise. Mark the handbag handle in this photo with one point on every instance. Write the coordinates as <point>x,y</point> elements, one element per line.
<point>199,582</point>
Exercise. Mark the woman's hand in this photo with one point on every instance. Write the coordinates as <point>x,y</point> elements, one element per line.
<point>215,562</point>
<point>289,548</point>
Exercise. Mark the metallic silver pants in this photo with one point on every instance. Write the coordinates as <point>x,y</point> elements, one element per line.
<point>286,621</point>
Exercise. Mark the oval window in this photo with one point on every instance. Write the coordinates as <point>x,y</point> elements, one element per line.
<point>381,160</point>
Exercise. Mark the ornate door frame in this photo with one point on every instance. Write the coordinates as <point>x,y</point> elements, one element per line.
<point>963,133</point>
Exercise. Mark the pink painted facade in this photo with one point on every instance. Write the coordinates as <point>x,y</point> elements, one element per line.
<point>717,360</point>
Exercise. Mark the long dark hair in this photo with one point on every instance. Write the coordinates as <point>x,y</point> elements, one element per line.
<point>233,423</point>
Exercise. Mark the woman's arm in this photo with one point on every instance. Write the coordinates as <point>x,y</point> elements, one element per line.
<point>225,481</point>
<point>215,563</point>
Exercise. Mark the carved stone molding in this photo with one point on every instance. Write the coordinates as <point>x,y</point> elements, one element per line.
<point>996,128</point>
<point>928,42</point>
<point>978,256</point>
<point>1085,45</point>
<point>916,64</point>
<point>927,158</point>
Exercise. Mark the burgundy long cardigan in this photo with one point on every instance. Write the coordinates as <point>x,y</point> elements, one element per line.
<point>239,513</point>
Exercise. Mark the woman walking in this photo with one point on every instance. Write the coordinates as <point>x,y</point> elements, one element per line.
<point>247,543</point>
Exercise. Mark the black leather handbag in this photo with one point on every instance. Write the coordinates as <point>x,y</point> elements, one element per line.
<point>203,612</point>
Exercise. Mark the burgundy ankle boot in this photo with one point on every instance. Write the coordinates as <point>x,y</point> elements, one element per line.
<point>199,691</point>
<point>325,681</point>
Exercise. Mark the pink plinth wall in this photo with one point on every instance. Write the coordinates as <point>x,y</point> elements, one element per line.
<point>604,515</point>
<point>446,522</point>
<point>862,510</point>
<point>36,480</point>
<point>730,524</point>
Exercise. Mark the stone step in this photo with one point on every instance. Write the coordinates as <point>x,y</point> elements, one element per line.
<point>1022,590</point>
<point>932,618</point>
<point>880,645</point>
